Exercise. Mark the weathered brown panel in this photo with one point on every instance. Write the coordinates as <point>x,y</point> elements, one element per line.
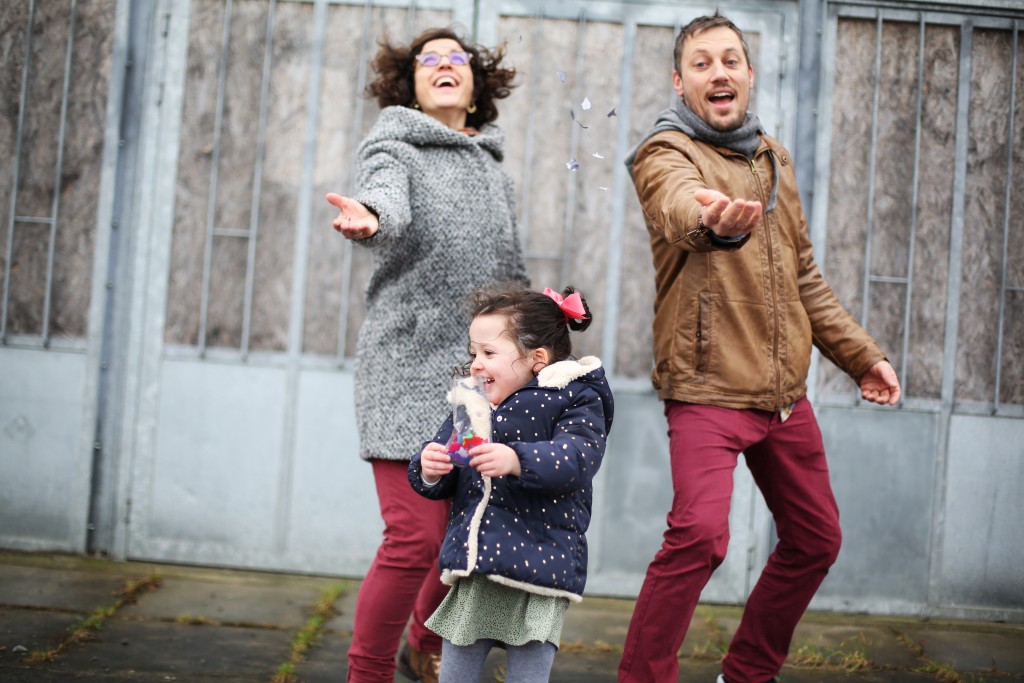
<point>934,211</point>
<point>338,135</point>
<point>227,288</point>
<point>545,97</point>
<point>282,175</point>
<point>1012,357</point>
<point>985,211</point>
<point>652,55</point>
<point>893,184</point>
<point>195,158</point>
<point>82,164</point>
<point>40,149</point>
<point>585,247</point>
<point>28,279</point>
<point>1011,381</point>
<point>13,21</point>
<point>43,97</point>
<point>850,174</point>
<point>25,307</point>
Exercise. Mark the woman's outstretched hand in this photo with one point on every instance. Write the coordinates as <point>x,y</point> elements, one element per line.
<point>354,220</point>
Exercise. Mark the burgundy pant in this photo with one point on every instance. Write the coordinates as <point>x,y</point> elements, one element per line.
<point>787,460</point>
<point>403,580</point>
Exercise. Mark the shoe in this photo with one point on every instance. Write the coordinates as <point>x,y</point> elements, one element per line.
<point>419,666</point>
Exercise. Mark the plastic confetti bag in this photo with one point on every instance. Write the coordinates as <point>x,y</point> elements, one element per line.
<point>470,419</point>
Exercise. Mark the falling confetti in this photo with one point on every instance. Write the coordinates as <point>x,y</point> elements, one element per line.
<point>598,155</point>
<point>561,75</point>
<point>602,187</point>
<point>612,113</point>
<point>582,126</point>
<point>572,114</point>
<point>585,104</point>
<point>572,164</point>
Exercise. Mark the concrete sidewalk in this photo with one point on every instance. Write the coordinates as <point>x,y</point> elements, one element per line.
<point>200,624</point>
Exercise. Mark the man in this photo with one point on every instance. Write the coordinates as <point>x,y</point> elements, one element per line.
<point>738,303</point>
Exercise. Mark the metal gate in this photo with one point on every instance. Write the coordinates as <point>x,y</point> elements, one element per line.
<point>192,402</point>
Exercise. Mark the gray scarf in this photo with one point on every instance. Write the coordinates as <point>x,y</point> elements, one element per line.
<point>744,140</point>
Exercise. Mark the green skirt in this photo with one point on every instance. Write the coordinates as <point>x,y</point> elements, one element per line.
<point>477,608</point>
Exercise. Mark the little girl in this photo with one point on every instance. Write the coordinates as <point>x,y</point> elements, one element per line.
<point>515,552</point>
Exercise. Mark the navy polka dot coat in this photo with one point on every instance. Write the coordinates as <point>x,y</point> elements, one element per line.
<point>529,531</point>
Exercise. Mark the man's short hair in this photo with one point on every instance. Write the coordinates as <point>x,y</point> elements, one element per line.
<point>701,24</point>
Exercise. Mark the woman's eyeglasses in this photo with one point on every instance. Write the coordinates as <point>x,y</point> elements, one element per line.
<point>456,58</point>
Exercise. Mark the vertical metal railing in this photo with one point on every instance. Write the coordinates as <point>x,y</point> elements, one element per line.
<point>609,338</point>
<point>50,221</point>
<point>1004,263</point>
<point>356,134</point>
<point>211,206</point>
<point>866,279</point>
<point>906,279</point>
<point>572,182</point>
<point>908,293</point>
<point>57,175</point>
<point>257,181</point>
<point>526,182</point>
<point>250,233</point>
<point>16,172</point>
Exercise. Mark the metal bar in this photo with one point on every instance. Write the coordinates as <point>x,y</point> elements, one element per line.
<point>609,339</point>
<point>908,294</point>
<point>952,323</point>
<point>242,233</point>
<point>257,181</point>
<point>357,127</point>
<point>300,270</point>
<point>34,219</point>
<point>55,205</point>
<point>890,279</point>
<point>958,210</point>
<point>15,174</point>
<point>211,206</point>
<point>526,186</point>
<point>873,152</point>
<point>1004,261</point>
<point>573,179</point>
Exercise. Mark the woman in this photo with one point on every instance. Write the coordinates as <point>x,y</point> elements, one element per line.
<point>438,212</point>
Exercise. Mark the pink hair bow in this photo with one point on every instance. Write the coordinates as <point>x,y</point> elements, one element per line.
<point>572,305</point>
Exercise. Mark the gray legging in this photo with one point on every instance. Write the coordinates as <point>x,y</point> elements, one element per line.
<point>530,663</point>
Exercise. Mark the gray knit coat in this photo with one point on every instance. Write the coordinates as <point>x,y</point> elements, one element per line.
<point>447,225</point>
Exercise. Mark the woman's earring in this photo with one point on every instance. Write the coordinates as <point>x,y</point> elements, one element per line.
<point>471,109</point>
<point>415,104</point>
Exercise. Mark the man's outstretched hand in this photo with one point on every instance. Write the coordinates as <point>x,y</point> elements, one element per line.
<point>727,217</point>
<point>880,384</point>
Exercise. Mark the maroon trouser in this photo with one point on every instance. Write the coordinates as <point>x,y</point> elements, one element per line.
<point>403,580</point>
<point>787,460</point>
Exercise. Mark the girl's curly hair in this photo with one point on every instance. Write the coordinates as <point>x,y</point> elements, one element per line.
<point>395,66</point>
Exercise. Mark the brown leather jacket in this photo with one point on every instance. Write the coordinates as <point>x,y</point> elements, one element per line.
<point>734,324</point>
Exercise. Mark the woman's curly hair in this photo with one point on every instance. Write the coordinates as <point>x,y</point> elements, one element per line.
<point>395,66</point>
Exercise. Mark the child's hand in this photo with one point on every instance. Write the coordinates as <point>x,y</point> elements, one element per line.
<point>495,460</point>
<point>435,462</point>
